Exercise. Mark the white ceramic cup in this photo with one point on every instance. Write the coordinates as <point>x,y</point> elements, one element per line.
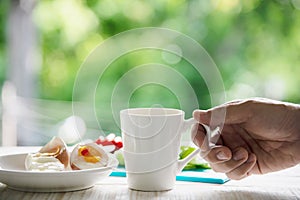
<point>151,138</point>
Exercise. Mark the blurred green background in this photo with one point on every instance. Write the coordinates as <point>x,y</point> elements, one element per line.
<point>254,43</point>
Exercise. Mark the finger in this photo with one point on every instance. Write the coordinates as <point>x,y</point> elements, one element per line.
<point>239,156</point>
<point>234,112</point>
<point>198,135</point>
<point>243,170</point>
<point>218,154</point>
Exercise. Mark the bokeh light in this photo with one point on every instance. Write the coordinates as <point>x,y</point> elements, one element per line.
<point>254,43</point>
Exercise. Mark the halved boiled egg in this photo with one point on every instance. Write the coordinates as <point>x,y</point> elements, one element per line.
<point>88,156</point>
<point>54,156</point>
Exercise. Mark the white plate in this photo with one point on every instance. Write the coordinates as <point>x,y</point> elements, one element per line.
<point>14,175</point>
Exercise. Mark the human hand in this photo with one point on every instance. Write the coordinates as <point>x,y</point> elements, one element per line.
<point>258,136</point>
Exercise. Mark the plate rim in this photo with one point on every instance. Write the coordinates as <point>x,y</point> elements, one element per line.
<point>37,176</point>
<point>91,170</point>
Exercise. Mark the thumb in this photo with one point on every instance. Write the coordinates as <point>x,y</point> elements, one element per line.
<point>229,113</point>
<point>213,117</point>
<point>202,116</point>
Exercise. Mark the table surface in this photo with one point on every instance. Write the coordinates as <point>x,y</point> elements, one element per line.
<point>279,185</point>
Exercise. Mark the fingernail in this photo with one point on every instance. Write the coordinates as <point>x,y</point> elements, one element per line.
<point>239,155</point>
<point>222,156</point>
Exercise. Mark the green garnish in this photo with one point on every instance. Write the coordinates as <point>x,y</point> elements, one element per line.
<point>194,164</point>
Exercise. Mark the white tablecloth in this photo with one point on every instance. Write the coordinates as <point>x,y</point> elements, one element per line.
<point>279,185</point>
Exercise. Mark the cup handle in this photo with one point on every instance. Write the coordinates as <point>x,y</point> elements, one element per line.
<point>210,139</point>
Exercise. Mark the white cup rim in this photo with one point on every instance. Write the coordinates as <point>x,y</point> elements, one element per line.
<point>151,115</point>
<point>156,112</point>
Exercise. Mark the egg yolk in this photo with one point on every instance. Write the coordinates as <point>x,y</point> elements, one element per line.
<point>88,157</point>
